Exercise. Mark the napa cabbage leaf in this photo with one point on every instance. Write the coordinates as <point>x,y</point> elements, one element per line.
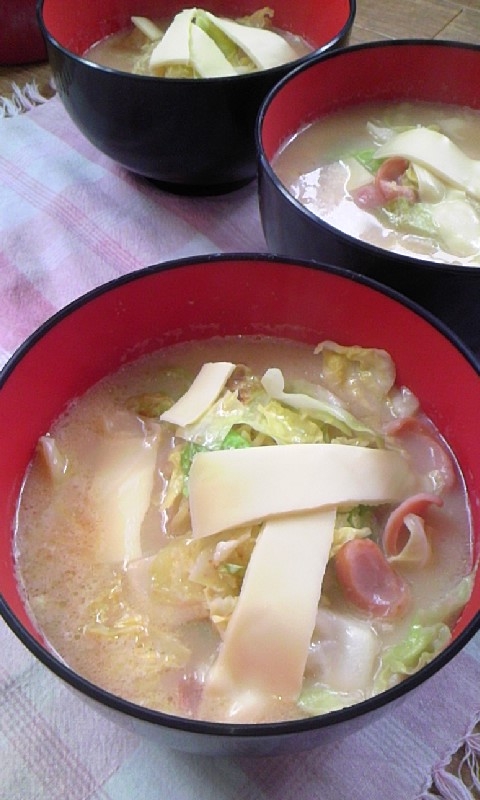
<point>364,379</point>
<point>223,42</point>
<point>357,523</point>
<point>421,645</point>
<point>315,402</point>
<point>367,159</point>
<point>413,218</point>
<point>316,700</point>
<point>273,420</point>
<point>428,635</point>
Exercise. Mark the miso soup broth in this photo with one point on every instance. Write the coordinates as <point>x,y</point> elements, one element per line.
<point>138,48</point>
<point>356,170</point>
<point>130,592</point>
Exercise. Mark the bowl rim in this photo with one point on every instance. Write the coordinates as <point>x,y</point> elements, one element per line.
<point>265,165</point>
<point>279,70</point>
<point>223,729</point>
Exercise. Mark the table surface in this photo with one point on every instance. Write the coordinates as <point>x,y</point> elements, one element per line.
<point>375,20</point>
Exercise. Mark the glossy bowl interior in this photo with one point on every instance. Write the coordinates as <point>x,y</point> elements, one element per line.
<point>189,135</point>
<point>431,71</point>
<point>198,299</point>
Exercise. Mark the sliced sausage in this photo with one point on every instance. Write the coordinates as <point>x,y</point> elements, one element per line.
<point>395,534</point>
<point>388,180</point>
<point>369,581</point>
<point>429,457</point>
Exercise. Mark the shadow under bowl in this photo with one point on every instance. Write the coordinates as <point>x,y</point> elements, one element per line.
<point>380,72</point>
<point>192,136</point>
<point>120,321</point>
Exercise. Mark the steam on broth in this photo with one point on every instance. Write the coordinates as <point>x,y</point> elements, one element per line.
<point>198,44</point>
<point>181,599</point>
<point>401,176</point>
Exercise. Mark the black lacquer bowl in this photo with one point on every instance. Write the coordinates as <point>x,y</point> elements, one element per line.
<point>410,70</point>
<point>194,136</point>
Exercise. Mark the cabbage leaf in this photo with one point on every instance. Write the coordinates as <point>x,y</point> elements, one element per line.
<point>367,159</point>
<point>413,218</point>
<point>421,645</point>
<point>316,700</point>
<point>223,42</point>
<point>428,635</point>
<point>327,410</point>
<point>362,377</point>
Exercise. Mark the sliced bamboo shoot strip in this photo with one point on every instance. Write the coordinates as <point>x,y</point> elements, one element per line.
<point>266,643</point>
<point>120,495</point>
<point>207,59</point>
<point>230,488</point>
<point>148,28</point>
<point>265,48</point>
<point>201,394</point>
<point>174,48</point>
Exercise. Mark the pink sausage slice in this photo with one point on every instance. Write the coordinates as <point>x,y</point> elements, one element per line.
<point>394,529</point>
<point>388,180</point>
<point>368,581</point>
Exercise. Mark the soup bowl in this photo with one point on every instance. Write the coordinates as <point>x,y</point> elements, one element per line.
<point>190,135</point>
<point>119,322</point>
<point>380,72</point>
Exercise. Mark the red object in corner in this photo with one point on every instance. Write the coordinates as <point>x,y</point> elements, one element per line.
<point>21,41</point>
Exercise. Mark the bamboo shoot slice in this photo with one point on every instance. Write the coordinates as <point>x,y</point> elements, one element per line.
<point>265,48</point>
<point>174,48</point>
<point>120,495</point>
<point>266,643</point>
<point>206,57</point>
<point>148,28</point>
<point>231,488</point>
<point>204,390</point>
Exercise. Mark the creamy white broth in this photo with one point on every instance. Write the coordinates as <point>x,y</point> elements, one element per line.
<point>146,660</point>
<point>312,165</point>
<point>129,50</point>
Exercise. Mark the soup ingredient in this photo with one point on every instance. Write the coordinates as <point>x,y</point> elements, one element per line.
<point>206,59</point>
<point>427,635</point>
<point>436,153</point>
<point>408,516</point>
<point>266,643</point>
<point>253,484</point>
<point>121,491</point>
<point>265,48</point>
<point>263,626</point>
<point>55,461</point>
<point>150,30</point>
<point>174,46</point>
<point>368,581</point>
<point>201,394</point>
<point>324,405</point>
<point>235,607</point>
<point>208,45</point>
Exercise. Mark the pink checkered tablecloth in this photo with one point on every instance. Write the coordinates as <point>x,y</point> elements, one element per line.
<point>70,219</point>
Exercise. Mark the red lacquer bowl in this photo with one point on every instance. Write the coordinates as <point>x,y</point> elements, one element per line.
<point>376,72</point>
<point>195,136</point>
<point>229,295</point>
